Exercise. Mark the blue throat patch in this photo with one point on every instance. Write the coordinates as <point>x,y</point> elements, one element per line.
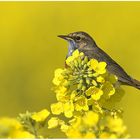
<point>71,47</point>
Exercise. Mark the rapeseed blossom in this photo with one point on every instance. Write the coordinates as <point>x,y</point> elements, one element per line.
<point>41,116</point>
<point>81,82</point>
<point>84,91</point>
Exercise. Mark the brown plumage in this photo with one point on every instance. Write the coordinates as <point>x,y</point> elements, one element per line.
<point>85,43</point>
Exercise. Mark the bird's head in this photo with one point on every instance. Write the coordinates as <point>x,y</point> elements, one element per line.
<point>78,40</point>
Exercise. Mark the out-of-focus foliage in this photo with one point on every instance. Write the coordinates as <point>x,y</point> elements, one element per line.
<point>30,50</point>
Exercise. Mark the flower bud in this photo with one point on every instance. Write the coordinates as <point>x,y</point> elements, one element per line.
<point>83,88</point>
<point>87,81</point>
<point>86,59</point>
<point>79,86</point>
<point>90,75</point>
<point>85,66</point>
<point>81,81</point>
<point>76,63</point>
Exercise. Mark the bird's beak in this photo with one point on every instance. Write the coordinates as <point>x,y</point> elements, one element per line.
<point>66,37</point>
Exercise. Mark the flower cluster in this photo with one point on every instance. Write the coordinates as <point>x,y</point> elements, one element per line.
<point>32,122</point>
<point>86,93</point>
<point>83,85</point>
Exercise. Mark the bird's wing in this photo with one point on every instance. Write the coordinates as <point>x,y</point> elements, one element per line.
<point>112,66</point>
<point>117,70</point>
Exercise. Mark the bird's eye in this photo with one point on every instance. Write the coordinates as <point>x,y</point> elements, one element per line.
<point>78,38</point>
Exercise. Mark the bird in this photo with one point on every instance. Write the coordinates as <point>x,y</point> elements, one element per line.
<point>85,43</point>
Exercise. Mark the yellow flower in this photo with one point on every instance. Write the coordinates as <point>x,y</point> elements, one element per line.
<point>11,128</point>
<point>98,67</point>
<point>64,128</point>
<point>91,118</point>
<point>89,135</point>
<point>53,122</point>
<point>10,123</point>
<point>74,128</point>
<point>61,93</point>
<point>73,94</point>
<point>22,134</point>
<point>68,109</point>
<point>73,133</point>
<point>81,127</point>
<point>93,63</point>
<point>81,104</point>
<point>41,116</point>
<point>116,125</point>
<point>98,108</point>
<point>95,93</point>
<point>101,68</point>
<point>57,108</point>
<point>76,54</point>
<point>76,122</point>
<point>106,135</point>
<point>70,59</point>
<point>100,79</point>
<point>108,89</point>
<point>8,126</point>
<point>58,77</point>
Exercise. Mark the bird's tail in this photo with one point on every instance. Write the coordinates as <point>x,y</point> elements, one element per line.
<point>136,83</point>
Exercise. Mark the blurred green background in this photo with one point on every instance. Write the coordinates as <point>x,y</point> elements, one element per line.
<point>30,50</point>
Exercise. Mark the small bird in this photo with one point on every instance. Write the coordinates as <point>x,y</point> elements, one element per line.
<point>86,44</point>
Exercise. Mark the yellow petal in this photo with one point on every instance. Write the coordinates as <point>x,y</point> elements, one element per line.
<point>53,122</point>
<point>21,134</point>
<point>116,125</point>
<point>41,116</point>
<point>76,53</point>
<point>104,135</point>
<point>108,89</point>
<point>73,133</point>
<point>68,113</point>
<point>69,60</point>
<point>91,118</point>
<point>58,77</point>
<point>64,128</point>
<point>81,104</point>
<point>93,64</point>
<point>101,68</point>
<point>96,93</point>
<point>100,79</point>
<point>68,109</point>
<point>57,108</point>
<point>89,135</point>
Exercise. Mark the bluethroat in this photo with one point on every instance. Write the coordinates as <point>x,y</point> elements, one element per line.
<point>86,44</point>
